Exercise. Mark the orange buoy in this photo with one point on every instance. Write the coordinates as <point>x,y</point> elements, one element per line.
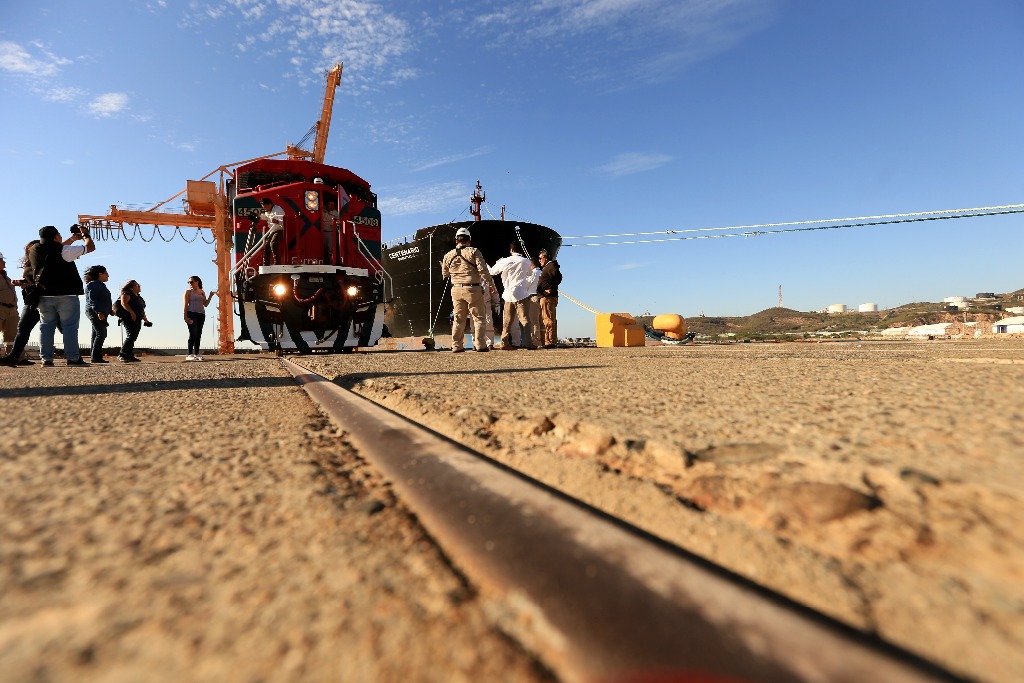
<point>671,324</point>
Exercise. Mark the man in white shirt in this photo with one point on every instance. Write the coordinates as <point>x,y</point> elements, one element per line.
<point>517,275</point>
<point>274,216</point>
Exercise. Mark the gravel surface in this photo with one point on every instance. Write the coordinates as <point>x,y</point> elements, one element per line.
<point>171,521</point>
<point>878,482</point>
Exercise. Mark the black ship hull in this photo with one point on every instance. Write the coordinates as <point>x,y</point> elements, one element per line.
<point>421,302</point>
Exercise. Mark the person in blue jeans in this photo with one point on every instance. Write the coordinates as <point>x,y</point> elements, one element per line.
<point>97,309</point>
<point>60,285</point>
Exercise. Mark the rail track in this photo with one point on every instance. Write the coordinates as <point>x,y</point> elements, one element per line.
<point>595,598</point>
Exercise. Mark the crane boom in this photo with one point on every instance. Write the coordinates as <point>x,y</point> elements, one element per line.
<point>323,125</point>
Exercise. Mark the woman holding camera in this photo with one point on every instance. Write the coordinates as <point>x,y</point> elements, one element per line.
<point>134,317</point>
<point>29,312</point>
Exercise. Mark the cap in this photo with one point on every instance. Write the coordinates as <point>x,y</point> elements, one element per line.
<point>462,232</point>
<point>318,181</point>
<point>48,232</point>
<point>2,256</point>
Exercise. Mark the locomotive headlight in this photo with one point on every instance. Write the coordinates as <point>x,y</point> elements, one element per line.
<point>312,200</point>
<point>352,290</point>
<point>279,289</point>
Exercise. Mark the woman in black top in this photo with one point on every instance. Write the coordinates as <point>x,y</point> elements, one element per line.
<point>134,317</point>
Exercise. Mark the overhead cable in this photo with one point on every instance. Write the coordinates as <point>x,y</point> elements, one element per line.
<point>973,212</point>
<point>757,233</point>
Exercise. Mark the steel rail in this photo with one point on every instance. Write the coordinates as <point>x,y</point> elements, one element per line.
<point>596,599</point>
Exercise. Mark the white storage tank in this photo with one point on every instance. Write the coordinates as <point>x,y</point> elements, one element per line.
<point>868,308</point>
<point>837,308</point>
<point>954,300</point>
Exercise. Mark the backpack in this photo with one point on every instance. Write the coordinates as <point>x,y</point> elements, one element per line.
<point>118,310</point>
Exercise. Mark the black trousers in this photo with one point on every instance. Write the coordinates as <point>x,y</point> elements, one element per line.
<point>131,333</point>
<point>195,332</point>
<point>29,319</point>
<point>99,334</point>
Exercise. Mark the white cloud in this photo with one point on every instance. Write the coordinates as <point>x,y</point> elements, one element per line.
<point>451,159</point>
<point>634,162</point>
<point>652,38</point>
<point>629,266</point>
<point>108,104</point>
<point>407,200</point>
<point>59,94</point>
<point>16,59</point>
<point>363,35</point>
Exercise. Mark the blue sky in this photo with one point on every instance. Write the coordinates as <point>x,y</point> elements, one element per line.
<point>590,116</point>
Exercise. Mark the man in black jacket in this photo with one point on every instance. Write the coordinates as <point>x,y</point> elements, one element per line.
<point>60,285</point>
<point>547,290</point>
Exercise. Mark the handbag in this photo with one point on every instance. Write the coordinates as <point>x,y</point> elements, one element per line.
<point>30,295</point>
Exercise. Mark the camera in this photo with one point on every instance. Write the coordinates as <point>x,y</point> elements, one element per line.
<point>148,324</point>
<point>76,229</point>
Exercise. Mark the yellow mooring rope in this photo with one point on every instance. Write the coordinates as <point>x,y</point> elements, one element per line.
<point>561,292</point>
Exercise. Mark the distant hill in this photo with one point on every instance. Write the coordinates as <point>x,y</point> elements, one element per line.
<point>772,322</point>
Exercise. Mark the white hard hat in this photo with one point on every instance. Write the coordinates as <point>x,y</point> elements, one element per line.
<point>318,181</point>
<point>462,232</point>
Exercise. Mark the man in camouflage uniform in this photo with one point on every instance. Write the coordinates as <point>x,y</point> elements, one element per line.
<point>466,267</point>
<point>8,308</point>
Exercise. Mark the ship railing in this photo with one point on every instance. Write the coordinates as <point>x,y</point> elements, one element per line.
<point>398,241</point>
<point>382,275</point>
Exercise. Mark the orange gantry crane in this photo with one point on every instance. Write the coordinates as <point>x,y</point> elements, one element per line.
<point>206,207</point>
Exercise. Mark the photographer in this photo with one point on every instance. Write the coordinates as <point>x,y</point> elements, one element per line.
<point>29,313</point>
<point>60,285</point>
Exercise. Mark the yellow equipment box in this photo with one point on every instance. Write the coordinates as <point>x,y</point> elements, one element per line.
<point>619,329</point>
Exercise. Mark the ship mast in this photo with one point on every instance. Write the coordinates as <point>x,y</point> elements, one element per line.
<point>476,199</point>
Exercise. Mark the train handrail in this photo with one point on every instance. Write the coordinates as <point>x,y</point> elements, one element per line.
<point>244,260</point>
<point>365,250</point>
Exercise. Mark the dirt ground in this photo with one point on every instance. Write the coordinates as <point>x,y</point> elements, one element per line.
<point>878,482</point>
<point>202,522</point>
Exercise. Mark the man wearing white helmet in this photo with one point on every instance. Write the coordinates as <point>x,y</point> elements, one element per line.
<point>466,267</point>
